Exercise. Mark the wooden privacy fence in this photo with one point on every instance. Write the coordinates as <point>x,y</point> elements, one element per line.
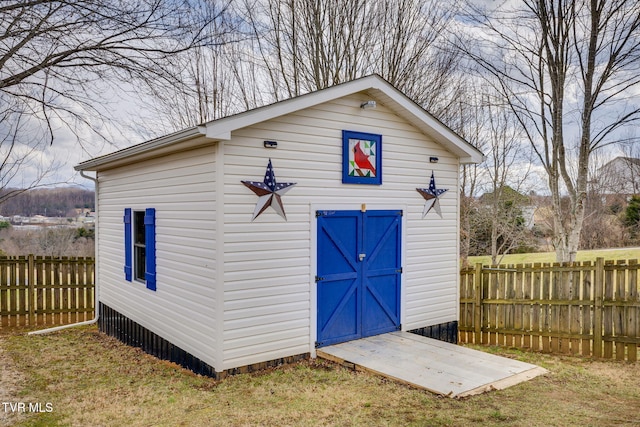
<point>45,290</point>
<point>584,308</point>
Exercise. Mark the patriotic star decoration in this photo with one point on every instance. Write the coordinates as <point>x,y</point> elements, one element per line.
<point>432,197</point>
<point>269,193</point>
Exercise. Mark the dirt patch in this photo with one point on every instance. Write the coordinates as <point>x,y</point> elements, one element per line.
<point>614,372</point>
<point>11,380</point>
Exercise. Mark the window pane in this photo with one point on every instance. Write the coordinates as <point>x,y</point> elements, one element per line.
<point>141,262</point>
<point>140,259</point>
<point>139,228</point>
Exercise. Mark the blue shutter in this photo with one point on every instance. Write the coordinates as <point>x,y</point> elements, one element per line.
<point>127,245</point>
<point>150,243</point>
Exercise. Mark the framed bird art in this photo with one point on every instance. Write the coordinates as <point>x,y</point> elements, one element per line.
<point>361,158</point>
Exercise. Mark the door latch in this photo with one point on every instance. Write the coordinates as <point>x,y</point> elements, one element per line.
<point>362,257</point>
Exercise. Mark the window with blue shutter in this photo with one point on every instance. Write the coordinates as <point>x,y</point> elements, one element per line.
<point>128,259</point>
<point>140,246</point>
<point>150,243</point>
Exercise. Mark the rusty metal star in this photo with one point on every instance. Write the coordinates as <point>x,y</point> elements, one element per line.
<point>432,197</point>
<point>269,193</point>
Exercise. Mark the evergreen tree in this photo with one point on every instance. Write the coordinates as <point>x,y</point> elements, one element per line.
<point>632,216</point>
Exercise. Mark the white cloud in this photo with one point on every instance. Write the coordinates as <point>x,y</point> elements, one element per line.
<point>75,142</point>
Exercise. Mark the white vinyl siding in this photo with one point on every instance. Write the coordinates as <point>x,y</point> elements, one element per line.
<point>181,187</point>
<point>268,262</point>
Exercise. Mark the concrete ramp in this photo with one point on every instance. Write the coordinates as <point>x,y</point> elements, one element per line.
<point>433,365</point>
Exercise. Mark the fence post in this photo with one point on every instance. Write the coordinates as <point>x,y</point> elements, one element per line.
<point>598,307</point>
<point>477,306</point>
<point>31,278</point>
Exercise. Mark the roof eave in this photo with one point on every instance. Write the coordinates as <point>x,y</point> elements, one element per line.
<point>221,129</point>
<point>139,150</point>
<point>444,135</point>
<point>224,126</point>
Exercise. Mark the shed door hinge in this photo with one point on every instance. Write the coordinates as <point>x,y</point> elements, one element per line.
<point>399,270</point>
<point>318,278</point>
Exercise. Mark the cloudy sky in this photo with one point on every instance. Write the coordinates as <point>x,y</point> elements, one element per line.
<point>132,122</point>
<point>75,144</point>
<point>126,129</point>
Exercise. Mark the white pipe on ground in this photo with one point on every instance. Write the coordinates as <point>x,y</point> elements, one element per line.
<point>95,290</point>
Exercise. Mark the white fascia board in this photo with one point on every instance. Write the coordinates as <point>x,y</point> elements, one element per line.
<point>227,125</point>
<point>140,149</point>
<point>434,128</point>
<point>472,160</point>
<point>222,128</point>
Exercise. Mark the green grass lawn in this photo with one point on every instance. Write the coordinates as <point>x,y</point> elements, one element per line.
<point>90,379</point>
<point>607,254</point>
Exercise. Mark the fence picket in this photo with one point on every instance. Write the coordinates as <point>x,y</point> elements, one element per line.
<point>88,290</point>
<point>608,311</point>
<point>574,310</point>
<point>633,318</point>
<point>517,308</point>
<point>588,279</point>
<point>619,324</point>
<point>20,308</point>
<point>501,309</point>
<point>546,320</point>
<point>536,327</point>
<point>5,293</point>
<point>527,308</point>
<point>477,301</point>
<point>485,308</point>
<point>467,312</point>
<point>578,308</point>
<point>557,293</point>
<point>38,290</point>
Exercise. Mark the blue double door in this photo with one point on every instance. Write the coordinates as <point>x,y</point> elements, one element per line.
<point>358,274</point>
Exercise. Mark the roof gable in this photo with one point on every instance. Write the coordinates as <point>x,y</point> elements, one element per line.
<point>221,129</point>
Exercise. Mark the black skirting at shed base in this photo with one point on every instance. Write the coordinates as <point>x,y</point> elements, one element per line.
<point>447,332</point>
<point>117,325</point>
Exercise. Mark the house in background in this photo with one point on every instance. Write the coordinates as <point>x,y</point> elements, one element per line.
<point>620,176</point>
<point>508,198</point>
<point>204,260</point>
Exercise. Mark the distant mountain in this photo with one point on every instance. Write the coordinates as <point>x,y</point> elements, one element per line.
<point>52,202</point>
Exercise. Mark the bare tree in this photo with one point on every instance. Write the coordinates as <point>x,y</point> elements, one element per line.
<point>207,83</point>
<point>560,65</point>
<point>412,53</point>
<point>55,54</point>
<point>20,144</point>
<point>472,124</point>
<point>61,61</point>
<point>46,241</point>
<point>306,45</point>
<point>508,167</point>
<point>493,223</point>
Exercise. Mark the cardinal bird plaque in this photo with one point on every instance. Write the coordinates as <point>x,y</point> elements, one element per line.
<point>361,158</point>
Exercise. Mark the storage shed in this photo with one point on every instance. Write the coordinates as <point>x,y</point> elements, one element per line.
<point>257,238</point>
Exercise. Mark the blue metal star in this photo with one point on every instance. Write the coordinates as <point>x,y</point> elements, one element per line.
<point>432,196</point>
<point>269,193</point>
